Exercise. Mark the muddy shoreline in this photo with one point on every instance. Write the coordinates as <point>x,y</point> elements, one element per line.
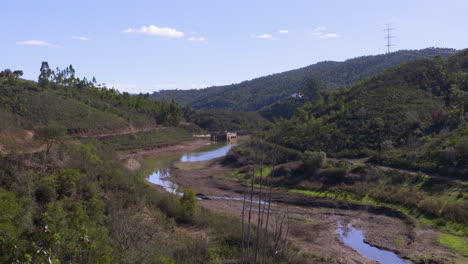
<point>314,220</point>
<point>131,159</point>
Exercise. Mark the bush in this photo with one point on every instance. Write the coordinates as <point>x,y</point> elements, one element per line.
<point>431,207</point>
<point>46,191</point>
<point>189,204</point>
<point>314,160</point>
<point>9,229</point>
<point>66,181</point>
<point>332,176</point>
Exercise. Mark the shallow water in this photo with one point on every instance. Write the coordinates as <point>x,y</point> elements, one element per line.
<point>354,238</point>
<point>158,168</point>
<point>218,151</point>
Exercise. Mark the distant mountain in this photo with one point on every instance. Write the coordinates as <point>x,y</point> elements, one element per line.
<point>260,92</point>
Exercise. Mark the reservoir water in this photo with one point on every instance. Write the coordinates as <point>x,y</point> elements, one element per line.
<point>354,238</point>
<point>158,168</point>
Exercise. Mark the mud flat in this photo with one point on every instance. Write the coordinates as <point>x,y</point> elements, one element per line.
<point>313,222</point>
<point>131,160</point>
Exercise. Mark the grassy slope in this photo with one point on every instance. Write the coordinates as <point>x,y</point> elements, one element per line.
<point>148,139</point>
<point>46,107</point>
<point>71,109</point>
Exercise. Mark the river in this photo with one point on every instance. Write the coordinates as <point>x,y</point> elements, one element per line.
<point>158,171</point>
<point>158,168</point>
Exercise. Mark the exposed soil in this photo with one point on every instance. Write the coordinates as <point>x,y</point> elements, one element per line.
<point>313,229</point>
<point>131,159</point>
<point>313,222</point>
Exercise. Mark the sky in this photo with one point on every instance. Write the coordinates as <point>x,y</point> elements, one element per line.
<point>149,45</point>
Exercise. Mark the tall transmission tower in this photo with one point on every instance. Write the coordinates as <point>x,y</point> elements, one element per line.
<point>389,37</point>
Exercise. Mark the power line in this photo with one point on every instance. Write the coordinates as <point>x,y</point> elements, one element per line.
<point>389,37</point>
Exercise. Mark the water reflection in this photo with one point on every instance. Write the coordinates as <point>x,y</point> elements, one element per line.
<point>354,238</point>
<point>159,177</point>
<point>220,151</point>
<point>159,167</point>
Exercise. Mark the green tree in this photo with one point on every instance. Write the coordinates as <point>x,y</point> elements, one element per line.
<point>44,76</point>
<point>18,73</point>
<point>50,134</point>
<point>10,213</point>
<point>314,160</point>
<point>189,203</point>
<point>312,89</point>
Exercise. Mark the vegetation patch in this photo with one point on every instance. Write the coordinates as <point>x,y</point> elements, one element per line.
<point>460,244</point>
<point>189,165</point>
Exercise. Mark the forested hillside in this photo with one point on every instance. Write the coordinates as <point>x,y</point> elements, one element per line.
<point>257,93</point>
<point>413,116</point>
<point>225,120</point>
<point>78,106</point>
<point>65,196</point>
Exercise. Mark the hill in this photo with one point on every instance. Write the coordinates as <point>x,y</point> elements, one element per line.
<point>260,92</point>
<point>412,116</point>
<point>80,107</point>
<point>65,196</point>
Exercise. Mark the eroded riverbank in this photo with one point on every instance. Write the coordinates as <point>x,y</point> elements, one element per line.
<point>313,230</point>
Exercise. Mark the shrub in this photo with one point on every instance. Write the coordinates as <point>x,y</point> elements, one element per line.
<point>313,160</point>
<point>332,176</point>
<point>9,231</point>
<point>189,204</point>
<point>46,190</point>
<point>66,181</point>
<point>359,169</point>
<point>431,207</point>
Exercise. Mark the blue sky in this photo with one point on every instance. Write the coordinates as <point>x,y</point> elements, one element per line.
<point>142,45</point>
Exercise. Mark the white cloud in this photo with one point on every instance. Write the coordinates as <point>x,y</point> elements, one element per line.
<point>262,36</point>
<point>328,36</point>
<point>197,39</point>
<point>80,38</point>
<point>200,86</point>
<point>321,33</point>
<point>283,31</point>
<point>156,31</point>
<point>37,43</point>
